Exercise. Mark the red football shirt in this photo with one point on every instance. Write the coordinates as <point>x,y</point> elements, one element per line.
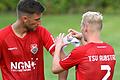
<point>22,58</point>
<point>94,61</point>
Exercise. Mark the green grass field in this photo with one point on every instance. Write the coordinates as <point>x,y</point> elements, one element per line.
<point>61,23</point>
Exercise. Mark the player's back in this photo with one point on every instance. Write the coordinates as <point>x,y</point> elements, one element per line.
<point>96,63</point>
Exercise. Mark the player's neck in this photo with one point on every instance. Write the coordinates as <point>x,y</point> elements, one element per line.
<point>18,29</point>
<point>94,39</point>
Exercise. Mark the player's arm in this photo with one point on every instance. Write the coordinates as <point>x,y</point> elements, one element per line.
<point>62,75</point>
<point>71,60</point>
<point>48,42</point>
<point>56,67</point>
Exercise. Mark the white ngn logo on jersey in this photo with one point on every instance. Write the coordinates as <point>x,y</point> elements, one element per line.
<point>23,66</point>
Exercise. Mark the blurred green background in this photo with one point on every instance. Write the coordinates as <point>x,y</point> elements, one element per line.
<point>68,6</point>
<point>60,15</point>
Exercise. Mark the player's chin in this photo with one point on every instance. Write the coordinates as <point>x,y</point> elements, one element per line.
<point>34,28</point>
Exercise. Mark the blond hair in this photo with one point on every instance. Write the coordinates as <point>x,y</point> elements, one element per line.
<point>93,18</point>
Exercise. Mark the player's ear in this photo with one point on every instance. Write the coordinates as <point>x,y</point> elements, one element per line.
<point>83,29</point>
<point>24,18</point>
<point>86,27</point>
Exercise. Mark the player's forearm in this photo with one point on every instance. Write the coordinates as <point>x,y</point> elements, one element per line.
<point>59,54</point>
<point>56,59</point>
<point>63,75</point>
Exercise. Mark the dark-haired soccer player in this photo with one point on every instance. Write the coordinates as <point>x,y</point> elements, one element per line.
<point>21,44</point>
<point>95,59</point>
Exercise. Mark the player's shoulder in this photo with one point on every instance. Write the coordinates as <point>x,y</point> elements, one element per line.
<point>84,47</point>
<point>108,46</point>
<point>5,31</point>
<point>81,49</point>
<point>103,45</point>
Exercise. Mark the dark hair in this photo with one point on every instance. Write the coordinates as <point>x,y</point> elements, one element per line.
<point>29,6</point>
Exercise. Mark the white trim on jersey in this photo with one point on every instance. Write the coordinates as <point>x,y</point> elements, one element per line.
<point>51,47</point>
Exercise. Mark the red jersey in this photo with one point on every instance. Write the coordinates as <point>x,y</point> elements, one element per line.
<point>94,61</point>
<point>22,58</point>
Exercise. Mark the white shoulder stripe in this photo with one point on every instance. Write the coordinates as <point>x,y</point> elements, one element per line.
<point>51,47</point>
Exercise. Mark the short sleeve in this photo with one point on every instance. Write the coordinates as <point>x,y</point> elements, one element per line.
<point>72,59</point>
<point>47,39</point>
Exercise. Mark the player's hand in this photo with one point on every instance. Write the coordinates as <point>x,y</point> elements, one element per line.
<point>59,41</point>
<point>75,34</point>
